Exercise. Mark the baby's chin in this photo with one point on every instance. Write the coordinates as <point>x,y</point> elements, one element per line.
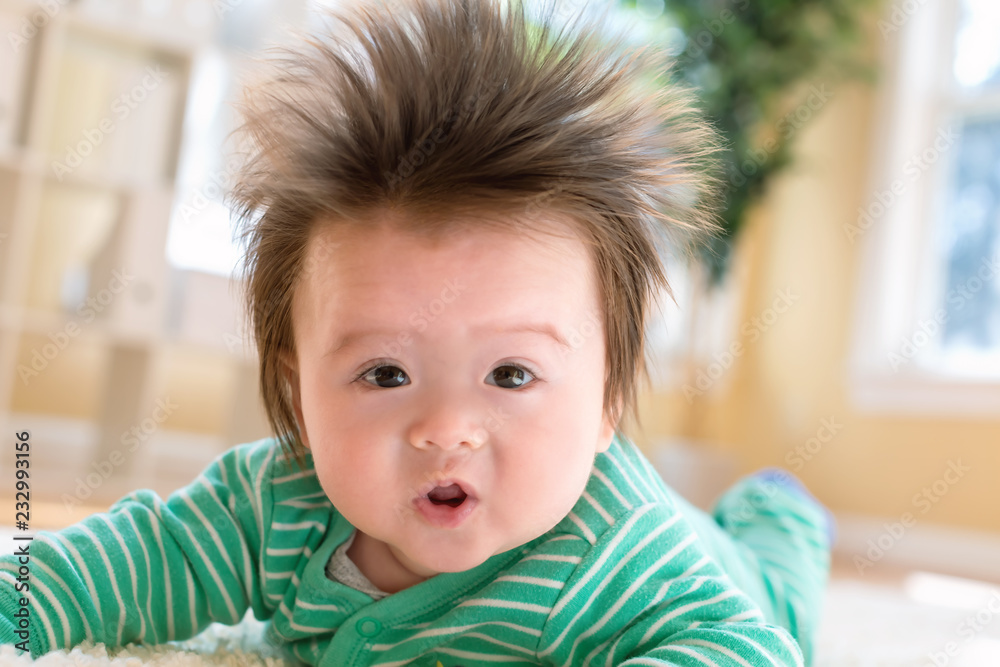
<point>427,562</point>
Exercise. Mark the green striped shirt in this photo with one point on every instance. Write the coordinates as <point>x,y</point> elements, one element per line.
<point>632,576</point>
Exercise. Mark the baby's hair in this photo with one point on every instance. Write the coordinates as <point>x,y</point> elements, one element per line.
<point>453,114</point>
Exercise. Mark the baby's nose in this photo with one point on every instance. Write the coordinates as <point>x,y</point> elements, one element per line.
<point>448,416</point>
<point>474,441</point>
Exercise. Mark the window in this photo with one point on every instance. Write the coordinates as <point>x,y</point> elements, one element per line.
<point>928,332</point>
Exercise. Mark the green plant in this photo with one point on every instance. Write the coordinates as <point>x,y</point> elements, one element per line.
<point>747,59</point>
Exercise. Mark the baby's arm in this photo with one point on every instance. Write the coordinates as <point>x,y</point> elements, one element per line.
<point>647,594</point>
<point>148,570</point>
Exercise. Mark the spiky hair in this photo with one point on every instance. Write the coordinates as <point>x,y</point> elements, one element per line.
<point>443,108</point>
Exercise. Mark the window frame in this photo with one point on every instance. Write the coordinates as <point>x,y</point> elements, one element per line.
<point>900,277</point>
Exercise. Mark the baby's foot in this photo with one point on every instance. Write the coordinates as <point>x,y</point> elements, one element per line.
<point>792,483</point>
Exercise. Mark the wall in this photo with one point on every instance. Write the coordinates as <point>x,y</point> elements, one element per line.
<point>775,396</point>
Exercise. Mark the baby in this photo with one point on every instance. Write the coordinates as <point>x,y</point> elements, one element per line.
<point>454,220</point>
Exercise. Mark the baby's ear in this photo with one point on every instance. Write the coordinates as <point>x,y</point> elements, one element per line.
<point>290,371</point>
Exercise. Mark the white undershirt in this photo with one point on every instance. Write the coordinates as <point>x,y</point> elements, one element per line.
<point>341,568</point>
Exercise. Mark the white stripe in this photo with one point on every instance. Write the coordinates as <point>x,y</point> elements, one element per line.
<point>506,604</point>
<point>257,512</point>
<point>483,657</point>
<point>562,559</point>
<point>318,607</point>
<point>597,567</point>
<point>305,629</point>
<point>600,510</point>
<point>111,576</point>
<point>640,465</point>
<point>215,577</point>
<point>455,629</point>
<point>295,475</point>
<point>149,577</point>
<point>786,639</point>
<point>155,523</point>
<point>680,649</point>
<point>317,494</point>
<point>538,581</point>
<point>279,575</point>
<point>644,466</point>
<point>622,533</point>
<point>244,551</point>
<point>265,464</point>
<point>293,551</point>
<point>628,478</point>
<point>630,591</point>
<point>744,616</point>
<point>621,459</point>
<point>760,649</point>
<point>717,647</point>
<point>658,601</point>
<point>56,604</point>
<point>52,574</point>
<point>214,534</point>
<point>301,525</point>
<point>302,504</point>
<point>587,533</point>
<point>53,644</point>
<point>599,474</point>
<point>506,645</point>
<point>81,565</point>
<point>702,562</point>
<point>674,613</point>
<point>131,571</point>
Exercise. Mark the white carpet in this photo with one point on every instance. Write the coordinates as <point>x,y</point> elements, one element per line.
<point>865,625</point>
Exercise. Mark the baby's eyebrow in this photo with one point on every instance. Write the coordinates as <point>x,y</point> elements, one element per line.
<point>542,328</point>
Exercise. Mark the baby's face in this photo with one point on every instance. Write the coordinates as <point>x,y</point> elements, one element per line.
<point>423,365</point>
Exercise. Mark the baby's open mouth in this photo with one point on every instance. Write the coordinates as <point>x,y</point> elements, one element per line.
<point>451,495</point>
<point>446,503</point>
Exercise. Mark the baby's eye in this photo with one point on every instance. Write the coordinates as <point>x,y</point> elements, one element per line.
<point>509,376</point>
<point>391,376</point>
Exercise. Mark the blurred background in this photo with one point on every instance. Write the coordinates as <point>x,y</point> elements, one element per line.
<point>846,327</point>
